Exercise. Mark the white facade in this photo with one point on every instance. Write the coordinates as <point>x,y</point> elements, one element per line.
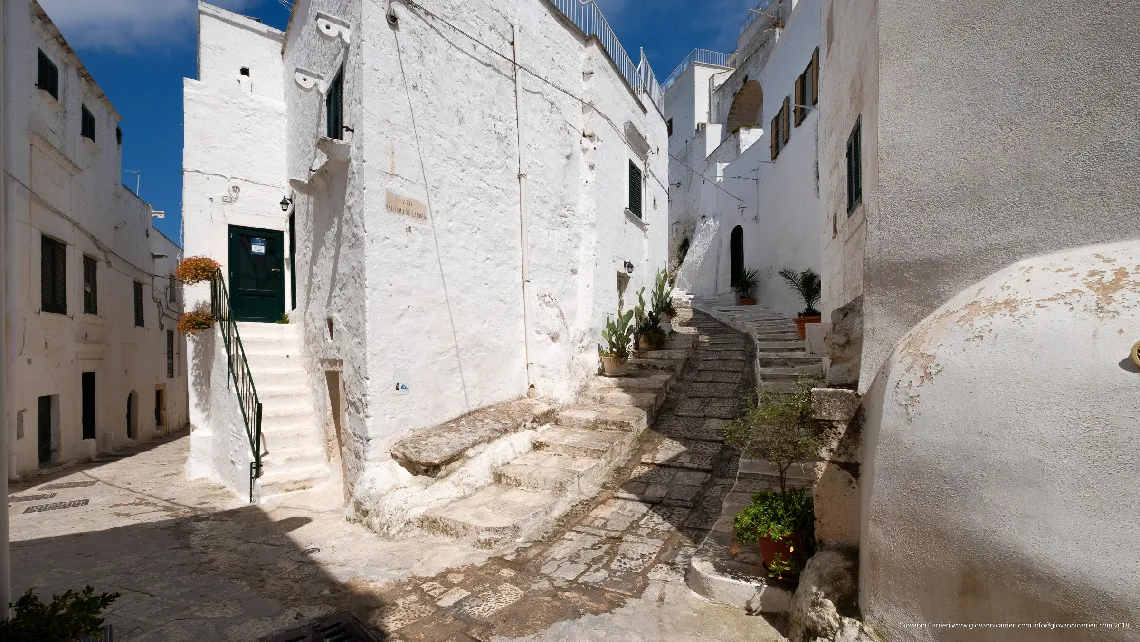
<point>428,292</point>
<point>723,173</point>
<point>64,186</point>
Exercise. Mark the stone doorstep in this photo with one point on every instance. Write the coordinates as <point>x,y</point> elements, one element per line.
<point>277,482</point>
<point>788,359</point>
<point>781,346</point>
<point>602,416</point>
<point>556,473</point>
<point>427,452</point>
<point>635,381</point>
<point>715,574</point>
<point>647,401</point>
<point>493,515</point>
<point>770,373</point>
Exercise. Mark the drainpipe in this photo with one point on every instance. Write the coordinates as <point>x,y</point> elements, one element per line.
<point>5,373</point>
<point>530,392</point>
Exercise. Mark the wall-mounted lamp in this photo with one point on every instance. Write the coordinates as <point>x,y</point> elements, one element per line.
<point>285,203</point>
<point>628,267</point>
<point>677,184</point>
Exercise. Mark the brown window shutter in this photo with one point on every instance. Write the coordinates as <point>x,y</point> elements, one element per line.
<point>774,132</point>
<point>799,99</point>
<point>787,119</point>
<point>815,76</point>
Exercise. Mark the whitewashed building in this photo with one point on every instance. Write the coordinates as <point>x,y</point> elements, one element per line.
<point>93,361</point>
<point>447,198</point>
<point>744,179</point>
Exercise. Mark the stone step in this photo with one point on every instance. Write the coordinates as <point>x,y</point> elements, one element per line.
<point>647,401</point>
<point>297,437</point>
<point>289,377</point>
<point>302,410</point>
<point>274,361</point>
<point>556,473</point>
<point>680,341</point>
<point>664,354</point>
<point>258,344</point>
<point>793,373</point>
<point>281,386</point>
<point>649,361</point>
<point>634,381</point>
<point>284,401</point>
<point>493,515</point>
<point>609,446</point>
<point>252,330</point>
<point>777,336</point>
<point>598,416</point>
<point>788,359</point>
<point>292,459</point>
<point>781,346</point>
<point>276,482</point>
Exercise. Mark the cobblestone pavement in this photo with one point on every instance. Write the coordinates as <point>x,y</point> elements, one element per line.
<point>615,568</point>
<point>195,563</point>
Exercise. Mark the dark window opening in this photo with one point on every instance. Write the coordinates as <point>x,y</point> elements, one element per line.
<point>736,255</point>
<point>139,304</point>
<point>90,286</point>
<point>334,107</point>
<point>781,129</point>
<point>855,168</point>
<point>244,71</point>
<point>170,354</point>
<point>53,276</point>
<point>87,123</point>
<point>88,384</point>
<point>807,89</point>
<point>47,76</point>
<point>292,262</point>
<point>634,189</point>
<point>669,127</point>
<point>119,135</point>
<point>159,407</point>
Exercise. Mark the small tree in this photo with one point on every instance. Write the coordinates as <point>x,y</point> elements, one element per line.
<point>68,616</point>
<point>778,428</point>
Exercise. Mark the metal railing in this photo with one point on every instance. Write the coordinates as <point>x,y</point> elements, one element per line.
<point>586,15</point>
<point>239,371</point>
<point>702,56</point>
<point>753,14</point>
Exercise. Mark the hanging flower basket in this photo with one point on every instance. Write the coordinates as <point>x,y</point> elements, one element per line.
<point>196,269</point>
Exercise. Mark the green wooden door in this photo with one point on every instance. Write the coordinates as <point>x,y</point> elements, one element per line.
<point>257,274</point>
<point>43,434</point>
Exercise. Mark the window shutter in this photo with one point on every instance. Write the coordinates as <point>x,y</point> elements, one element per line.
<point>799,99</point>
<point>787,120</point>
<point>634,189</point>
<point>858,161</point>
<point>169,354</point>
<point>774,135</point>
<point>815,76</point>
<point>139,319</point>
<point>90,291</point>
<point>86,123</point>
<point>47,75</point>
<point>53,276</point>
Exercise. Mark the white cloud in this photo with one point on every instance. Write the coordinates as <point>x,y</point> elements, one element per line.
<point>126,25</point>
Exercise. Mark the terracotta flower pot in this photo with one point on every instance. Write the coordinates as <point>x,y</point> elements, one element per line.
<point>643,345</point>
<point>614,366</point>
<point>747,301</point>
<point>784,548</point>
<point>801,324</point>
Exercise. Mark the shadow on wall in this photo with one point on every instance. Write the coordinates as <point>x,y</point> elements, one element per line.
<point>202,345</point>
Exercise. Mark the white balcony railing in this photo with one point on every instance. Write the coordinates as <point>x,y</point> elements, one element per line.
<point>702,56</point>
<point>586,15</point>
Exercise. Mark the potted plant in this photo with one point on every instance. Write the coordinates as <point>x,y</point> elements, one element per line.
<point>745,284</point>
<point>200,318</point>
<point>70,616</point>
<point>663,302</point>
<point>647,332</point>
<point>778,428</point>
<point>618,334</point>
<point>808,285</point>
<point>196,269</point>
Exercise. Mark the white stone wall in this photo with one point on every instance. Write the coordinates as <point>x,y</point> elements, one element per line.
<point>233,164</point>
<point>998,480</point>
<point>776,204</point>
<point>848,93</point>
<point>437,302</point>
<point>68,187</point>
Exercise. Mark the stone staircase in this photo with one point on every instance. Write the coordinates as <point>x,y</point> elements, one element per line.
<point>574,449</point>
<point>293,452</point>
<point>781,355</point>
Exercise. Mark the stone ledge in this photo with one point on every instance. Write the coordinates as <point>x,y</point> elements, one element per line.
<point>834,404</point>
<point>714,574</point>
<point>428,451</point>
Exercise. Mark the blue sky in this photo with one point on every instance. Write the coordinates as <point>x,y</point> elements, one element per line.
<point>140,50</point>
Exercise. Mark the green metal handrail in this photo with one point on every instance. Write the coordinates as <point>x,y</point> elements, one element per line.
<point>239,371</point>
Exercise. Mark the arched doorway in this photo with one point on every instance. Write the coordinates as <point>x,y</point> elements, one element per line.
<point>736,251</point>
<point>132,415</point>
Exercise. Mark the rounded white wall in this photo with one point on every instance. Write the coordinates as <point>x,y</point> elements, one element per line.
<point>1000,474</point>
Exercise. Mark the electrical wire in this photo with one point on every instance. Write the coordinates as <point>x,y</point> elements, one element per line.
<point>538,76</point>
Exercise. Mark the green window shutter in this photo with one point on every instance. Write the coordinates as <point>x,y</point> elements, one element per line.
<point>634,189</point>
<point>53,276</point>
<point>90,286</point>
<point>854,168</point>
<point>139,319</point>
<point>334,107</point>
<point>47,75</point>
<point>86,123</point>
